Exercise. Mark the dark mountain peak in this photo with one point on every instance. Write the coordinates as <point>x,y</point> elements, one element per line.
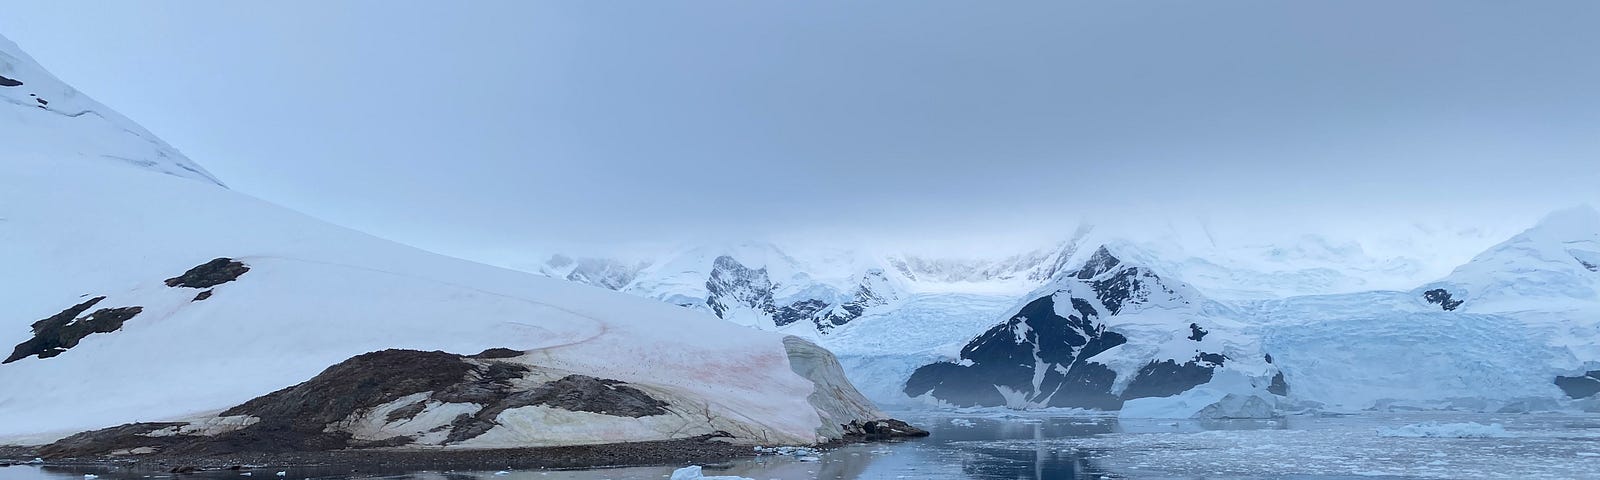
<point>1101,262</point>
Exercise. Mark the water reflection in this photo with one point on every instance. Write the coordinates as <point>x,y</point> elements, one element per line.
<point>981,447</point>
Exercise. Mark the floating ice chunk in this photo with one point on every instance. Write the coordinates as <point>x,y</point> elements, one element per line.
<point>1446,430</point>
<point>790,451</point>
<point>692,472</point>
<point>1226,396</point>
<point>962,422</point>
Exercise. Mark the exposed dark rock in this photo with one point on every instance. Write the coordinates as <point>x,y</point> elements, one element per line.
<point>878,430</point>
<point>41,101</point>
<point>1278,386</point>
<point>210,274</point>
<point>733,284</point>
<point>297,419</point>
<point>1007,354</point>
<point>466,427</point>
<point>405,413</point>
<point>7,82</point>
<point>201,296</point>
<point>1441,297</point>
<point>1584,386</point>
<point>864,297</point>
<point>581,393</point>
<point>1269,358</point>
<point>498,353</point>
<point>1167,378</point>
<point>105,441</point>
<point>797,311</point>
<point>395,441</point>
<point>1043,356</point>
<point>64,330</point>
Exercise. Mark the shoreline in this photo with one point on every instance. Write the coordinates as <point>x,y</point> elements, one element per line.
<point>612,455</point>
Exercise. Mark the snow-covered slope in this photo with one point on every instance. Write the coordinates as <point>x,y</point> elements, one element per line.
<point>92,206</point>
<point>1554,265</point>
<point>45,118</point>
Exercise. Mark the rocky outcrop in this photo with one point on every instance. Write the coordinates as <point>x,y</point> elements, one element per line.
<point>417,399</point>
<point>1442,298</point>
<point>1582,386</point>
<point>55,335</point>
<point>732,285</point>
<point>398,386</point>
<point>210,274</point>
<point>62,331</point>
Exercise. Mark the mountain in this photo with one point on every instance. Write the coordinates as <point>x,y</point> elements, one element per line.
<point>1104,335</point>
<point>141,290</point>
<point>764,285</point>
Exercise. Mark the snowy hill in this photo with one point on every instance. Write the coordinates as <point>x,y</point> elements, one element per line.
<point>48,120</point>
<point>1496,333</point>
<point>141,290</point>
<point>1553,265</point>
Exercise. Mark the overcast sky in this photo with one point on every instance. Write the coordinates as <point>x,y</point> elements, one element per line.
<point>472,127</point>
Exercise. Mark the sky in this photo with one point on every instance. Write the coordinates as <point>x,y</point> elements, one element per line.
<point>486,129</point>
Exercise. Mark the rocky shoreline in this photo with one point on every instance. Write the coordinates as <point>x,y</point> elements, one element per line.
<point>669,452</point>
<point>703,450</point>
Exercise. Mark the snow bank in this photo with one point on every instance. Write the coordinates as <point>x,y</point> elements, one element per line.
<point>1446,430</point>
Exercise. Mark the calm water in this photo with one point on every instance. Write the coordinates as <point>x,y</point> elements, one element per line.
<point>1046,446</point>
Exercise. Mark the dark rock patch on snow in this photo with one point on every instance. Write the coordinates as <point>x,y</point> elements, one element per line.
<point>210,274</point>
<point>580,393</point>
<point>64,330</point>
<point>1167,378</point>
<point>1582,386</point>
<point>797,311</point>
<point>8,82</point>
<point>1196,333</point>
<point>498,353</point>
<point>879,430</point>
<point>201,296</point>
<point>1279,386</point>
<point>1441,297</point>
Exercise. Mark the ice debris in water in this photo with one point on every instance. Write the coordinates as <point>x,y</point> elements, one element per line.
<point>1446,430</point>
<point>692,472</point>
<point>962,422</point>
<point>790,451</point>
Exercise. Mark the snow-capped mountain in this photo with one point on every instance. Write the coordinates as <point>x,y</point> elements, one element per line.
<point>1104,334</point>
<point>143,291</point>
<point>763,285</point>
